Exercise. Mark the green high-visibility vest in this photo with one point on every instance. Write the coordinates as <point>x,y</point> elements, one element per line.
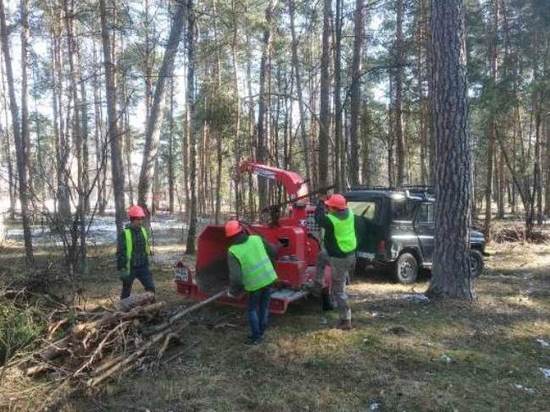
<point>256,267</point>
<point>130,244</point>
<point>344,232</point>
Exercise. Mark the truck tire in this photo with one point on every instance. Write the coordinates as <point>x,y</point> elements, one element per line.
<point>406,269</point>
<point>476,263</point>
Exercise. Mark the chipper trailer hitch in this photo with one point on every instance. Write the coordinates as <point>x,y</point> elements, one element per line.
<point>294,231</point>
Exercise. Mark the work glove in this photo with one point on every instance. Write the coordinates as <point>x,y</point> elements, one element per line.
<point>235,294</point>
<point>123,274</point>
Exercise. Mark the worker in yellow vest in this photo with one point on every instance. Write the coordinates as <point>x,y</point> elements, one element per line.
<point>133,251</point>
<point>251,268</point>
<point>340,243</point>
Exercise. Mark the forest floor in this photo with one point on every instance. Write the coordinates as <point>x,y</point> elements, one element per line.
<point>402,355</point>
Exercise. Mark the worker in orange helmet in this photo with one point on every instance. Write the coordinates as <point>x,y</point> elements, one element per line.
<point>339,245</point>
<point>250,261</point>
<point>133,251</point>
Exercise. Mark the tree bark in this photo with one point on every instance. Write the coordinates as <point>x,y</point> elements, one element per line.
<point>11,171</point>
<point>324,110</point>
<point>117,168</point>
<point>171,139</point>
<point>263,102</point>
<point>355,101</point>
<point>338,109</point>
<point>493,52</point>
<point>21,150</point>
<point>25,134</point>
<point>298,77</point>
<point>547,186</point>
<point>154,122</point>
<point>237,142</point>
<point>190,247</point>
<point>451,274</point>
<point>398,105</point>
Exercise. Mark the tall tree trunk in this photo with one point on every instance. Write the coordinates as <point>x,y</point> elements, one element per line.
<point>451,274</point>
<point>171,139</point>
<point>84,134</point>
<point>251,133</point>
<point>355,102</point>
<point>62,148</point>
<point>324,114</point>
<point>398,102</point>
<point>21,150</point>
<point>338,109</point>
<point>190,247</point>
<point>263,103</point>
<point>237,141</point>
<point>537,172</point>
<point>11,172</point>
<point>423,84</point>
<point>501,187</point>
<point>116,153</point>
<point>493,52</point>
<point>25,134</point>
<point>219,130</point>
<point>391,139</point>
<point>154,122</point>
<point>547,156</point>
<point>100,149</point>
<point>77,257</point>
<point>298,77</point>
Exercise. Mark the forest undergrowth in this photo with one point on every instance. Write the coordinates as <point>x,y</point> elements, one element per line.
<point>403,353</point>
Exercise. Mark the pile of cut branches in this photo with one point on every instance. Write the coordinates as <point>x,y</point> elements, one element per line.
<point>85,348</point>
<point>516,233</point>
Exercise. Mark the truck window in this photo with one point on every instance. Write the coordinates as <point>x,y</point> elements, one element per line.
<point>364,209</point>
<point>425,213</point>
<point>402,209</point>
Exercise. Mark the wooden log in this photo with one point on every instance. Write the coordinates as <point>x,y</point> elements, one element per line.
<point>37,370</point>
<point>184,312</point>
<point>111,318</point>
<point>53,350</point>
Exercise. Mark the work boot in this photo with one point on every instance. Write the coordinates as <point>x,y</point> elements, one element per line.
<point>253,341</point>
<point>344,324</point>
<point>315,288</point>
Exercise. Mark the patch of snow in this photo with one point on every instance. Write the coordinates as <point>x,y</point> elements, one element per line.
<point>543,343</point>
<point>530,391</point>
<point>415,297</point>
<point>446,358</point>
<point>545,372</point>
<point>374,406</point>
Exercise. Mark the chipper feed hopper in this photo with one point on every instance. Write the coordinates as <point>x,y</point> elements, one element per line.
<point>295,234</point>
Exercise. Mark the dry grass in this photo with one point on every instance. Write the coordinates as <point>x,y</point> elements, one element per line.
<point>402,355</point>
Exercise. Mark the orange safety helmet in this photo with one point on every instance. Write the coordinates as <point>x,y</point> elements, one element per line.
<point>232,228</point>
<point>136,212</point>
<point>337,201</point>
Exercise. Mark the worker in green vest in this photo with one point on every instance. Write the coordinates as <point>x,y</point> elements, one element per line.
<point>251,269</point>
<point>133,251</point>
<point>340,243</point>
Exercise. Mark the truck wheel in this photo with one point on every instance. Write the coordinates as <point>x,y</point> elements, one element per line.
<point>476,263</point>
<point>406,269</point>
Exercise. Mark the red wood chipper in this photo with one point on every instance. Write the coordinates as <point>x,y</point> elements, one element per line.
<point>295,232</point>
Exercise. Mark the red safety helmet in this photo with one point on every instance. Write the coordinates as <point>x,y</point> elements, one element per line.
<point>232,228</point>
<point>337,201</point>
<point>136,212</point>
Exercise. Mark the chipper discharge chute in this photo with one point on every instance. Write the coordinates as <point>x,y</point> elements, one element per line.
<point>294,235</point>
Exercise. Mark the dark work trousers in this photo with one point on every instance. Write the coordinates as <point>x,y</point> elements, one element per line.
<point>143,274</point>
<point>258,311</point>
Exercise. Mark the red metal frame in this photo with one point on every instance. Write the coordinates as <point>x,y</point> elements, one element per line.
<point>295,261</point>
